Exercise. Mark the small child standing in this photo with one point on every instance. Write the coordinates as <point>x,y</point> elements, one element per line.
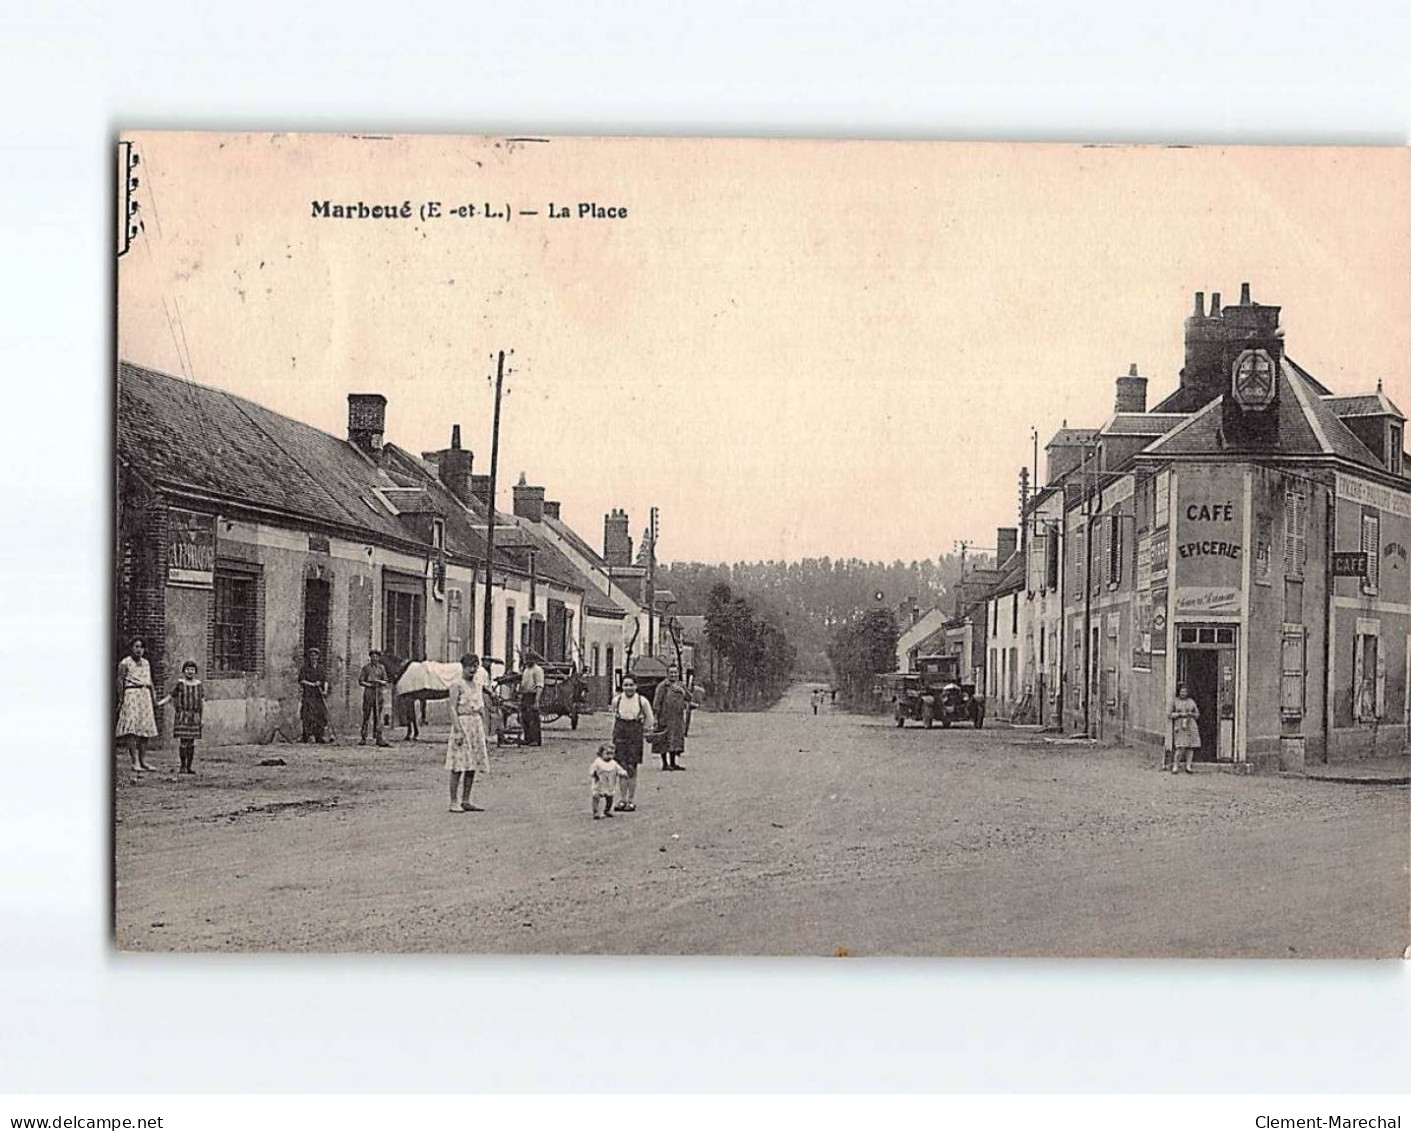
<point>604,777</point>
<point>188,697</point>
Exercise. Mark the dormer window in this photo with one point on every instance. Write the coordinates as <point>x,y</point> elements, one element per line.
<point>1394,448</point>
<point>438,533</point>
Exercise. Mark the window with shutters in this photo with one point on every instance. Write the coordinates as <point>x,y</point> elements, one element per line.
<point>1114,550</point>
<point>1163,500</point>
<point>1295,531</point>
<point>1051,545</point>
<point>1293,685</point>
<point>1014,615</point>
<point>1372,547</point>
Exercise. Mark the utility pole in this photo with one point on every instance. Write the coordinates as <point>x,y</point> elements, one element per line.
<point>488,622</point>
<point>652,583</point>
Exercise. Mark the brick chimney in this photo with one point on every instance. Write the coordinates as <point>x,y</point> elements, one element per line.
<point>1131,392</point>
<point>367,422</point>
<point>617,539</point>
<point>453,466</point>
<point>480,489</point>
<point>528,501</point>
<point>551,508</point>
<point>1006,542</point>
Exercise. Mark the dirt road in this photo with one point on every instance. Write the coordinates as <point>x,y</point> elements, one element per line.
<point>790,834</point>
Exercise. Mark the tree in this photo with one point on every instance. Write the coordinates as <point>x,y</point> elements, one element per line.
<point>863,649</point>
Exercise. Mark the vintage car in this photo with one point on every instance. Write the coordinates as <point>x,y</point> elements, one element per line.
<point>955,699</point>
<point>908,697</point>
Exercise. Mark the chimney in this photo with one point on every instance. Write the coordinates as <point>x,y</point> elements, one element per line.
<point>1203,374</point>
<point>551,508</point>
<point>528,501</point>
<point>1131,392</point>
<point>367,422</point>
<point>617,541</point>
<point>1006,542</point>
<point>1245,300</point>
<point>480,489</point>
<point>453,467</point>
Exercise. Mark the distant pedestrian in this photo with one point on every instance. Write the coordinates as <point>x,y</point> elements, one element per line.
<point>1185,734</point>
<point>631,719</point>
<point>137,700</point>
<point>466,752</point>
<point>188,700</point>
<point>373,678</point>
<point>604,776</point>
<point>817,699</point>
<point>531,686</point>
<point>672,707</point>
<point>313,697</point>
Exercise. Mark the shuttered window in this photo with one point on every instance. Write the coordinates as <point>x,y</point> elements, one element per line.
<point>1295,532</point>
<point>1114,550</point>
<point>1293,686</point>
<point>1372,547</point>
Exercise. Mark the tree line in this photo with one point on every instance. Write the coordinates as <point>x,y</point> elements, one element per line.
<point>810,600</point>
<point>750,660</point>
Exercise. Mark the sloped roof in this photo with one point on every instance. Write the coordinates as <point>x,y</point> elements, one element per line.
<point>1307,426</point>
<point>1073,436</point>
<point>210,443</point>
<point>1142,423</point>
<point>1363,404</point>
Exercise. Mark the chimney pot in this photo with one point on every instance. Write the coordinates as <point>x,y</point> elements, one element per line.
<point>453,468</point>
<point>455,437</point>
<point>1215,304</point>
<point>1245,300</point>
<point>1200,304</point>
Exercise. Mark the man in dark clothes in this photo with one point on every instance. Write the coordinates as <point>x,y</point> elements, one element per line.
<point>531,686</point>
<point>373,678</point>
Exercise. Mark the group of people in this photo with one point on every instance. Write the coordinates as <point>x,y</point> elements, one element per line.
<point>663,721</point>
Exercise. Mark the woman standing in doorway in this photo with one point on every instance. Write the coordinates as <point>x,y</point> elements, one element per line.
<point>313,697</point>
<point>1185,734</point>
<point>631,719</point>
<point>137,702</point>
<point>465,749</point>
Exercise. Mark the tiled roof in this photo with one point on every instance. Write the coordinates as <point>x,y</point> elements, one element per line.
<point>178,434</point>
<point>1142,423</point>
<point>1073,436</point>
<point>1307,426</point>
<point>1363,404</point>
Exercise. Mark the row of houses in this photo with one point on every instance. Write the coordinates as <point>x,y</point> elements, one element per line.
<point>1246,537</point>
<point>244,538</point>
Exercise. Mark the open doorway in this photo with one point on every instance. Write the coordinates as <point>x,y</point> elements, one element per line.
<point>317,600</point>
<point>1206,665</point>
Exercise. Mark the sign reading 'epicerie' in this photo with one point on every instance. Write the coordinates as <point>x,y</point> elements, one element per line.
<point>1209,538</point>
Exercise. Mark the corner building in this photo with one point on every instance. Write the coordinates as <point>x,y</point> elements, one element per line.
<point>1254,550</point>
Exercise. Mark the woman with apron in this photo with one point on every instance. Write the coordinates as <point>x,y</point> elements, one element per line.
<point>1185,730</point>
<point>631,719</point>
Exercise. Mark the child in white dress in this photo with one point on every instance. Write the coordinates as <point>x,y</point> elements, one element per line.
<point>604,775</point>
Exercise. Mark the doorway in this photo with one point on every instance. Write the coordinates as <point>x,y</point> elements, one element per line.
<point>1206,665</point>
<point>317,600</point>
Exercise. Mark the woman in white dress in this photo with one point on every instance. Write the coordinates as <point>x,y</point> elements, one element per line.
<point>137,703</point>
<point>465,749</point>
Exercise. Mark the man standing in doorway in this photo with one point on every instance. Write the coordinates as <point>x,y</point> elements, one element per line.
<point>373,678</point>
<point>531,686</point>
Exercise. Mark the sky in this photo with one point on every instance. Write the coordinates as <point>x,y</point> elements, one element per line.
<point>793,348</point>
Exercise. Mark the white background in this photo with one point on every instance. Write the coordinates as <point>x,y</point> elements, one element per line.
<point>74,1016</point>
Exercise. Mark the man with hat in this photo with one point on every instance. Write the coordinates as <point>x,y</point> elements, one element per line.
<point>373,678</point>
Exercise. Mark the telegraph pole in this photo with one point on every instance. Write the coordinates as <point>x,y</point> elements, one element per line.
<point>488,621</point>
<point>652,583</point>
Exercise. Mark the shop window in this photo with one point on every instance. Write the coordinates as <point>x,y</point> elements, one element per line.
<point>1295,531</point>
<point>1372,547</point>
<point>1293,684</point>
<point>234,636</point>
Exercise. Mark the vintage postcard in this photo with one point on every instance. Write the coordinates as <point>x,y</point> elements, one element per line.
<point>816,548</point>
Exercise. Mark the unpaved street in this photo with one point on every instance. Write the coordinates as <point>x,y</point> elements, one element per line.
<point>790,834</point>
